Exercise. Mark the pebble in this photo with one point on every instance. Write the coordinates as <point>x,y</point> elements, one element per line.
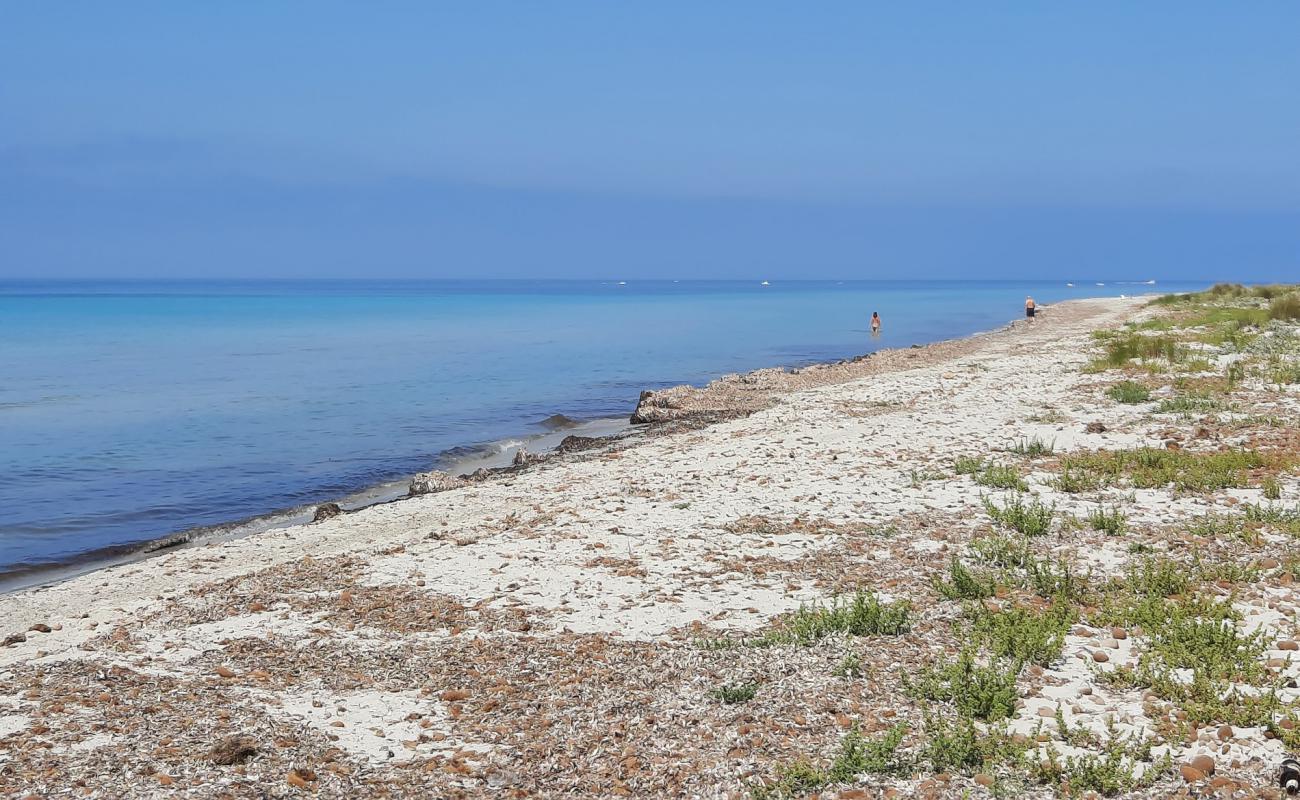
<point>1113,644</point>
<point>1288,644</point>
<point>1119,633</point>
<point>1204,763</point>
<point>1100,657</point>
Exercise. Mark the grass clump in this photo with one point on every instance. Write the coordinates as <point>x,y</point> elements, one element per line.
<point>862,615</point>
<point>963,584</point>
<point>857,756</point>
<point>1130,392</point>
<point>967,465</point>
<point>1033,447</point>
<point>984,692</point>
<point>1031,519</point>
<point>1122,347</point>
<point>1112,521</point>
<point>1021,635</point>
<point>1114,771</point>
<point>731,694</point>
<point>1286,307</point>
<point>1190,404</point>
<point>1074,480</point>
<point>1001,477</point>
<point>1154,468</point>
<point>1271,488</point>
<point>960,745</point>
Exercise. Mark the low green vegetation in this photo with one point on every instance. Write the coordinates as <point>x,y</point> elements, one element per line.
<point>1032,518</point>
<point>967,465</point>
<point>1152,468</point>
<point>1130,392</point>
<point>1021,635</point>
<point>964,584</point>
<point>1190,404</point>
<point>987,692</point>
<point>1033,447</point>
<point>1111,520</point>
<point>857,756</point>
<point>1001,477</point>
<point>733,693</point>
<point>862,615</point>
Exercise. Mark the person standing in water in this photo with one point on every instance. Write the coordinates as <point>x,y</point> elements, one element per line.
<point>875,323</point>
<point>1030,308</point>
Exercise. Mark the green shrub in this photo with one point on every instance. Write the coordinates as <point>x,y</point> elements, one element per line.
<point>1021,635</point>
<point>967,465</point>
<point>1031,519</point>
<point>1111,521</point>
<point>1034,447</point>
<point>962,584</point>
<point>863,615</point>
<point>1001,477</point>
<point>984,692</point>
<point>731,694</point>
<point>1129,392</point>
<point>1286,307</point>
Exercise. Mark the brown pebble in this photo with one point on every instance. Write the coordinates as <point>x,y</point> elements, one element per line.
<point>225,672</point>
<point>1119,633</point>
<point>1100,657</point>
<point>983,780</point>
<point>1204,763</point>
<point>1191,774</point>
<point>1288,644</point>
<point>40,627</point>
<point>1225,733</point>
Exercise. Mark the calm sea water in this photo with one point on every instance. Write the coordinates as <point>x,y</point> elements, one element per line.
<point>130,410</point>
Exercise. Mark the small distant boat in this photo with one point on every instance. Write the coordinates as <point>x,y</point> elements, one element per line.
<point>1071,285</point>
<point>765,283</point>
<point>1101,284</point>
<point>622,283</point>
<point>1151,283</point>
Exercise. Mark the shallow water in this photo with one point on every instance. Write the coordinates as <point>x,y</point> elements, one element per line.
<point>130,410</point>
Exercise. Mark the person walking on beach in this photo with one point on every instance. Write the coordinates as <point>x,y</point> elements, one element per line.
<point>1030,308</point>
<point>875,322</point>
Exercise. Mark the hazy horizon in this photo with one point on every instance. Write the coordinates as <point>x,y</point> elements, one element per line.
<point>586,141</point>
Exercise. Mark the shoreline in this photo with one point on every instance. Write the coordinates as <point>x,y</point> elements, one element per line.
<point>579,624</point>
<point>724,397</point>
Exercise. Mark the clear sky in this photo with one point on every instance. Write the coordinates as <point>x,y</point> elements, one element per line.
<point>673,140</point>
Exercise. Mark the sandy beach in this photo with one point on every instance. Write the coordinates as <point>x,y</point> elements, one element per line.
<point>574,627</point>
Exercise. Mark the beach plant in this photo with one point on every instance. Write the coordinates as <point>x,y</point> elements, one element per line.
<point>997,476</point>
<point>857,756</point>
<point>1111,520</point>
<point>1073,480</point>
<point>963,584</point>
<point>1125,764</point>
<point>1154,468</point>
<point>850,667</point>
<point>1023,635</point>
<point>967,465</point>
<point>861,615</point>
<point>985,692</point>
<point>1285,307</point>
<point>733,693</point>
<point>1130,392</point>
<point>1032,519</point>
<point>1271,487</point>
<point>1033,447</point>
<point>1002,551</point>
<point>1189,404</point>
<point>962,744</point>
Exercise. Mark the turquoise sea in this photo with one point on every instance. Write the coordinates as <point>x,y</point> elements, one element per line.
<point>133,410</point>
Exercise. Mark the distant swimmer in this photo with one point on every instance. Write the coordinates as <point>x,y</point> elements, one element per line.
<point>875,322</point>
<point>1030,308</point>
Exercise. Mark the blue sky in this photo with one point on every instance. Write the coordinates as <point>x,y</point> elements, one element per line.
<point>653,140</point>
